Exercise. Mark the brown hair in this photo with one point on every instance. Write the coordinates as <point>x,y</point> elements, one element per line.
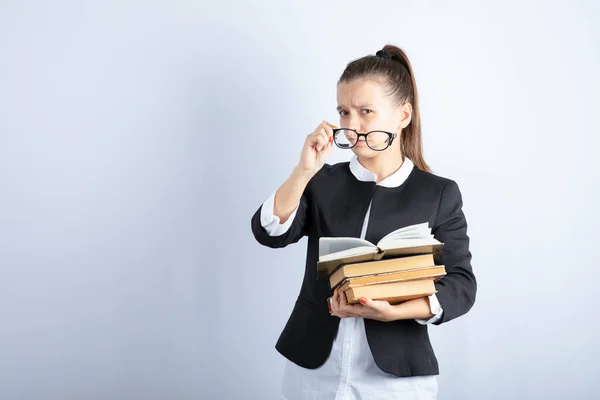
<point>392,64</point>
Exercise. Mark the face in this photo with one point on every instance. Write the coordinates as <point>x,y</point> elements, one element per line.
<point>364,107</point>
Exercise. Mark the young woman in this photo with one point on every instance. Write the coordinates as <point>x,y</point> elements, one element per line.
<point>371,350</point>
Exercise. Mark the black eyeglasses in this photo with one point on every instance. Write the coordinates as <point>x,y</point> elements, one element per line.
<point>376,140</point>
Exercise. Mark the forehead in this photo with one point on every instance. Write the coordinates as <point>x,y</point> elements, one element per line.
<point>361,91</point>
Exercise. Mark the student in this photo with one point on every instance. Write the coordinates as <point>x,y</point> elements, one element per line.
<point>372,350</point>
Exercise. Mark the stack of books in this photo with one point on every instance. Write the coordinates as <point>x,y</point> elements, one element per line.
<point>401,266</point>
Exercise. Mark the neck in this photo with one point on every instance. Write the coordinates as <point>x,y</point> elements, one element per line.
<point>383,165</point>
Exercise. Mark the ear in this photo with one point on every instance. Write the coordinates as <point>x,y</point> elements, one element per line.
<point>405,115</point>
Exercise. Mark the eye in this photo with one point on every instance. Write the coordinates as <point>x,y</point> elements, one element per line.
<point>343,113</point>
<point>366,111</point>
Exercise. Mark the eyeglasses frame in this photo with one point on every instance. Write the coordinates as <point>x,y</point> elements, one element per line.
<point>391,137</point>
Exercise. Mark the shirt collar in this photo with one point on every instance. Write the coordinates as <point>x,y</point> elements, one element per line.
<point>394,180</point>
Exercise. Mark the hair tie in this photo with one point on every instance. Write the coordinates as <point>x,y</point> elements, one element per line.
<point>384,54</point>
<point>388,56</point>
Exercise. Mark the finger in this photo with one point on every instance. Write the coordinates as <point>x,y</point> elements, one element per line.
<point>369,303</point>
<point>329,142</point>
<point>326,139</point>
<point>335,305</point>
<point>344,308</point>
<point>328,129</point>
<point>319,142</point>
<point>328,148</point>
<point>311,139</point>
<point>331,138</point>
<point>329,124</point>
<point>369,306</point>
<point>341,309</point>
<point>343,299</point>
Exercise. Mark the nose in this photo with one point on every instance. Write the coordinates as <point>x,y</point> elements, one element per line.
<point>354,123</point>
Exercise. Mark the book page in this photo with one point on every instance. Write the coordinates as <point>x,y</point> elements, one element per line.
<point>330,245</point>
<point>419,231</point>
<point>403,243</point>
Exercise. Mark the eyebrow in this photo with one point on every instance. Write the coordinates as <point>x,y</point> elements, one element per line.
<point>339,108</point>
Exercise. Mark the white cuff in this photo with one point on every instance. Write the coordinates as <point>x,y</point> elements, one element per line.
<point>436,310</point>
<point>270,221</point>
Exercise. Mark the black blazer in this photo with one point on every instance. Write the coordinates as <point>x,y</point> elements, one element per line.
<point>335,203</point>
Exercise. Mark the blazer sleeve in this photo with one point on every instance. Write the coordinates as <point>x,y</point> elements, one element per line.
<point>457,289</point>
<point>300,225</point>
<point>271,222</point>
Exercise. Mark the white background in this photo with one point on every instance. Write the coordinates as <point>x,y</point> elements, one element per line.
<point>137,139</point>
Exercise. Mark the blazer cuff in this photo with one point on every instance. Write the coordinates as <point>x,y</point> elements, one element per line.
<point>270,221</point>
<point>436,310</point>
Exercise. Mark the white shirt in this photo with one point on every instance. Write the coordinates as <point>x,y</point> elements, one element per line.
<point>350,371</point>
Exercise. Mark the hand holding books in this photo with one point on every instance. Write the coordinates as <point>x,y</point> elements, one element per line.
<point>401,267</point>
<point>372,309</point>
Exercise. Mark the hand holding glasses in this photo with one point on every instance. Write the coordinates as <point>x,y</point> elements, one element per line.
<point>318,144</point>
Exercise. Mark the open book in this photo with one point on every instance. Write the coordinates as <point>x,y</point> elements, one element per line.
<point>410,240</point>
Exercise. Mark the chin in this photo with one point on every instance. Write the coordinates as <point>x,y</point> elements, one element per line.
<point>364,152</point>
